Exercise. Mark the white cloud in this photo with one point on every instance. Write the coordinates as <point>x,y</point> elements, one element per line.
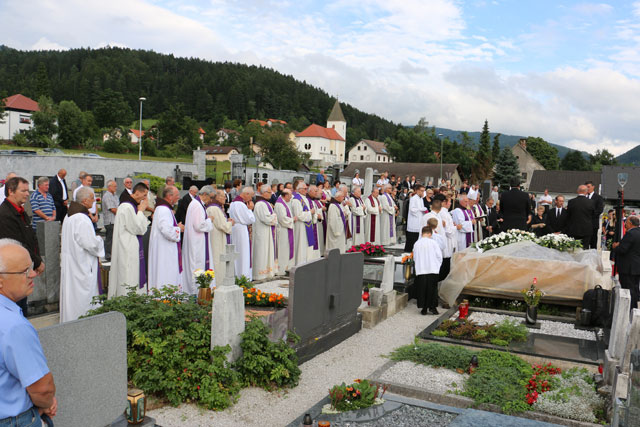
<point>45,44</point>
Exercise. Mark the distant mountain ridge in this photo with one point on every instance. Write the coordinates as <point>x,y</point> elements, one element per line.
<point>630,157</point>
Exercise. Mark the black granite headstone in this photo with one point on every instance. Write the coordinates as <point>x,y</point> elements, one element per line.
<point>324,296</point>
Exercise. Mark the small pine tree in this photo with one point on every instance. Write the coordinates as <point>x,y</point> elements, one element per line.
<point>483,163</point>
<point>495,151</point>
<point>506,168</point>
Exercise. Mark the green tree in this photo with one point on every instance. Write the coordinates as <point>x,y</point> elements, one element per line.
<point>482,164</point>
<point>543,152</point>
<point>506,168</point>
<point>44,124</point>
<point>416,145</point>
<point>42,85</point>
<point>72,130</point>
<point>601,158</point>
<point>112,110</point>
<point>174,126</point>
<point>574,161</point>
<point>495,149</point>
<point>279,150</point>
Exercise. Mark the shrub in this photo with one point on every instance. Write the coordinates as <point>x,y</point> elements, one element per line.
<point>434,354</point>
<point>360,394</point>
<point>499,334</point>
<point>510,330</point>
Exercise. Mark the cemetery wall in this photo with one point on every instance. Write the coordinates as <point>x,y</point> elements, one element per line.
<point>29,166</point>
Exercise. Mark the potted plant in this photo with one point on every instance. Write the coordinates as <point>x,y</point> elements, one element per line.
<point>203,279</point>
<point>408,262</point>
<point>532,297</point>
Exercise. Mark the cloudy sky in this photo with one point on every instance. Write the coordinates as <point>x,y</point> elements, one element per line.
<point>568,71</point>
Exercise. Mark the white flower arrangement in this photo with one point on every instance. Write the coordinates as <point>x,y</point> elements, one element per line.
<point>560,242</point>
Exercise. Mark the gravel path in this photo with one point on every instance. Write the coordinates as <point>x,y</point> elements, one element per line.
<point>439,380</point>
<point>407,416</point>
<point>547,327</point>
<point>354,358</point>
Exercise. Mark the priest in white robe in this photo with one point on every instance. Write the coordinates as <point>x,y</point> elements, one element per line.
<point>450,229</point>
<point>264,236</point>
<point>285,240</point>
<point>387,217</point>
<point>220,235</point>
<point>196,247</point>
<point>316,222</point>
<point>347,205</point>
<point>372,223</point>
<point>303,227</point>
<point>358,216</point>
<point>81,249</point>
<point>241,212</point>
<point>337,225</point>
<point>165,251</point>
<point>464,222</point>
<point>127,252</point>
<point>479,215</point>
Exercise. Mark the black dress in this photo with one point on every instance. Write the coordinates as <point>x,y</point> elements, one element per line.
<point>540,231</point>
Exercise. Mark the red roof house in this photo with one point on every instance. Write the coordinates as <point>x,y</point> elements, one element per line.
<point>20,102</point>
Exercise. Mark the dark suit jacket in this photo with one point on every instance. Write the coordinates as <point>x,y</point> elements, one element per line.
<point>628,253</point>
<point>557,223</point>
<point>124,196</point>
<point>55,189</point>
<point>514,206</point>
<point>598,202</point>
<point>492,218</point>
<point>580,217</point>
<point>13,227</point>
<point>183,205</point>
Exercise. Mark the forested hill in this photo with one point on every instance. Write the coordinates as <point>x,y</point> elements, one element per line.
<point>630,157</point>
<point>209,91</point>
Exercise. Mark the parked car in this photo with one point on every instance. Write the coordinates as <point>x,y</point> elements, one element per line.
<point>53,150</point>
<point>94,155</point>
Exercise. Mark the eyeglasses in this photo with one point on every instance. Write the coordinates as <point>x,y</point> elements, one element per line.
<point>26,272</point>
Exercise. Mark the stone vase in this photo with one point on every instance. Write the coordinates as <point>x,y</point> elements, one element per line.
<point>531,315</point>
<point>407,272</point>
<point>204,296</point>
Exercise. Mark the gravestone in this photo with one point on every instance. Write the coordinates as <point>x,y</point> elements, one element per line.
<point>88,361</point>
<point>368,182</point>
<point>227,319</point>
<point>619,330</point>
<point>46,292</point>
<point>324,296</point>
<point>621,379</point>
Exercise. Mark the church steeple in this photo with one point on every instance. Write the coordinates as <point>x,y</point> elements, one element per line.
<point>337,121</point>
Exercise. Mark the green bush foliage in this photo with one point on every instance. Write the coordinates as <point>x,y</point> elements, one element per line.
<point>499,334</point>
<point>360,394</point>
<point>434,354</point>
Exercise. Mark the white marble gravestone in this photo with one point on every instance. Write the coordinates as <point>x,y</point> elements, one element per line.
<point>621,380</point>
<point>368,182</point>
<point>227,318</point>
<point>618,334</point>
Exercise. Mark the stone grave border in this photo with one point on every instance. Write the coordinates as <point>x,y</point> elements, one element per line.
<point>455,401</point>
<point>425,335</point>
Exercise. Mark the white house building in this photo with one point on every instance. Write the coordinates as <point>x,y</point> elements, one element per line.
<point>17,115</point>
<point>325,145</point>
<point>369,151</point>
<point>224,135</point>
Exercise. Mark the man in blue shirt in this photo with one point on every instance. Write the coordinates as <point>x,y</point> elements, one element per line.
<point>27,390</point>
<point>320,177</point>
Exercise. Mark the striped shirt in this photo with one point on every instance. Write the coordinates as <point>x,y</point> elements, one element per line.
<point>41,203</point>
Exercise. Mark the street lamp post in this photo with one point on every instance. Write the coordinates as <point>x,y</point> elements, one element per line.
<point>258,157</point>
<point>141,99</point>
<point>441,155</point>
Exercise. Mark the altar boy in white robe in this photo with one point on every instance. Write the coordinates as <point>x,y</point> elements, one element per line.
<point>165,251</point>
<point>464,222</point>
<point>316,222</point>
<point>303,228</point>
<point>358,216</point>
<point>387,216</point>
<point>196,247</point>
<point>264,236</point>
<point>220,235</point>
<point>286,255</point>
<point>427,256</point>
<point>241,212</point>
<point>127,252</point>
<point>81,249</point>
<point>372,222</point>
<point>337,226</point>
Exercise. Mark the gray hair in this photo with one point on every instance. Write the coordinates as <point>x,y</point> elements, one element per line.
<point>634,220</point>
<point>264,188</point>
<point>248,190</point>
<point>42,180</point>
<point>7,242</point>
<point>207,189</point>
<point>192,188</point>
<point>167,179</point>
<point>167,190</point>
<point>83,194</point>
<point>220,193</point>
<point>110,182</point>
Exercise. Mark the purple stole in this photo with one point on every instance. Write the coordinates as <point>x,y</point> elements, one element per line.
<point>468,216</point>
<point>175,224</point>
<point>240,199</point>
<point>372,231</point>
<point>359,202</point>
<point>344,220</point>
<point>314,227</point>
<point>142,270</point>
<point>214,203</point>
<point>289,230</point>
<point>391,224</point>
<point>311,236</point>
<point>206,238</point>
<point>273,227</point>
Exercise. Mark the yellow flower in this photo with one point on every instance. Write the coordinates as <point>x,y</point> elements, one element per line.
<point>249,295</point>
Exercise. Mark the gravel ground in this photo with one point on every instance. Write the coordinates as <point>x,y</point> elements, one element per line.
<point>357,357</point>
<point>407,416</point>
<point>547,327</point>
<point>439,380</point>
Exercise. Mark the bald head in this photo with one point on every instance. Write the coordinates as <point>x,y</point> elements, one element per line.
<point>10,175</point>
<point>582,189</point>
<point>62,173</point>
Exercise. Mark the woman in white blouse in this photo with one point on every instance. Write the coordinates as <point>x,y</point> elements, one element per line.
<point>357,180</point>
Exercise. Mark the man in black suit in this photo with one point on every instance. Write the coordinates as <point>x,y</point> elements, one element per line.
<point>59,192</point>
<point>557,216</point>
<point>627,253</point>
<point>579,217</point>
<point>491,226</point>
<point>183,204</point>
<point>514,206</point>
<point>128,189</point>
<point>599,208</point>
